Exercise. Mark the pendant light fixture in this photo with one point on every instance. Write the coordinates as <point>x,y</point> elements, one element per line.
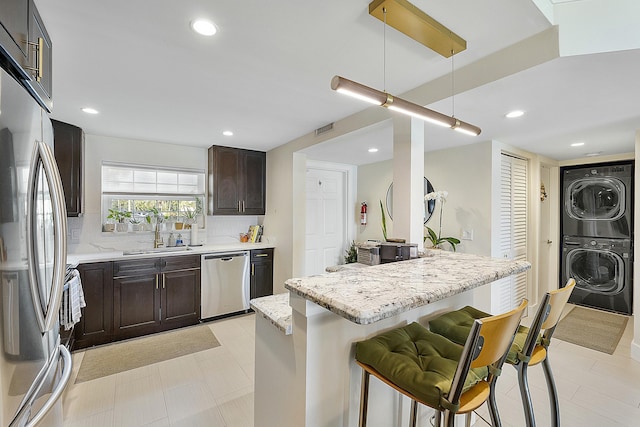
<point>385,99</point>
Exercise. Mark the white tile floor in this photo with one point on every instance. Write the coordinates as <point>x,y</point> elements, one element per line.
<point>214,388</point>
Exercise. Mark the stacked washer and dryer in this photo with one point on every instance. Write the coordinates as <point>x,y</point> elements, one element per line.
<point>597,234</point>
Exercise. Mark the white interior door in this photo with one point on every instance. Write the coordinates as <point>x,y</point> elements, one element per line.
<point>325,240</point>
<point>509,292</point>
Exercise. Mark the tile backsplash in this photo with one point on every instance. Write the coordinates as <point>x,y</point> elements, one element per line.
<point>85,234</point>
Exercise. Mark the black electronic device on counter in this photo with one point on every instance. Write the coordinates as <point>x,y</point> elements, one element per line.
<point>392,252</point>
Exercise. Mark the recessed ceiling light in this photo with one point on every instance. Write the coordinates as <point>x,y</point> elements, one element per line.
<point>514,114</point>
<point>577,144</point>
<point>597,153</point>
<point>90,110</point>
<point>204,27</point>
<point>227,133</point>
<point>373,150</point>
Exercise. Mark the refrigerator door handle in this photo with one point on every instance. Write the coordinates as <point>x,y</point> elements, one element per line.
<point>67,367</point>
<point>47,316</point>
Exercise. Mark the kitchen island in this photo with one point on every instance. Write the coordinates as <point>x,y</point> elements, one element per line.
<point>309,378</point>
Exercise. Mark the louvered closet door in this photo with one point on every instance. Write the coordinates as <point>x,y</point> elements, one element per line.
<point>509,292</point>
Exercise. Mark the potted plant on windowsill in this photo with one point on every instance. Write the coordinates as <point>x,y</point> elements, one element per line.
<point>136,224</point>
<point>120,216</point>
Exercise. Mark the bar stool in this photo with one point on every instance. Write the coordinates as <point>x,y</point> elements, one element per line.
<point>530,345</point>
<point>433,371</point>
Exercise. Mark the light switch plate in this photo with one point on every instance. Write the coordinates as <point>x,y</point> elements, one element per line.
<point>467,234</point>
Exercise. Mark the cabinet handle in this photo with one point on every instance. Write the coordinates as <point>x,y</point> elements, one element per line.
<point>253,269</point>
<point>163,277</point>
<point>262,255</point>
<point>239,206</point>
<point>39,58</point>
<point>156,281</point>
<point>243,206</point>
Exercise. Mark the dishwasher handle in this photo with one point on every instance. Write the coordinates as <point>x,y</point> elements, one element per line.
<point>226,256</point>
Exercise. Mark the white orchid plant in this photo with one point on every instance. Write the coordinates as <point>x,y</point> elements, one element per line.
<point>437,239</point>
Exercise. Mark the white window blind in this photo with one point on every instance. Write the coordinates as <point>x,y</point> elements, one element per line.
<point>509,292</point>
<point>129,179</point>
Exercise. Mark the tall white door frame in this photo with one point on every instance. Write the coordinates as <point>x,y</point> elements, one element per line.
<point>348,214</point>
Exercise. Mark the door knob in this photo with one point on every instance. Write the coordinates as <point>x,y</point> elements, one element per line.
<point>549,242</point>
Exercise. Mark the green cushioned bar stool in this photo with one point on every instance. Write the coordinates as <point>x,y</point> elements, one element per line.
<point>530,345</point>
<point>436,372</point>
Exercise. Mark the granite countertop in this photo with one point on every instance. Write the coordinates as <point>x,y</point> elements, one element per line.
<point>114,255</point>
<point>367,295</point>
<point>276,309</point>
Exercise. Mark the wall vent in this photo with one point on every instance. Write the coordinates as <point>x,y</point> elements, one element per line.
<point>324,129</point>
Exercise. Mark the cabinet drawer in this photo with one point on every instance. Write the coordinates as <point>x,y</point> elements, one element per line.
<point>262,254</point>
<point>136,267</point>
<point>182,262</point>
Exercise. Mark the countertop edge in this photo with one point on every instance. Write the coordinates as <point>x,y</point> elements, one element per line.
<point>84,258</point>
<point>276,309</point>
<point>394,307</point>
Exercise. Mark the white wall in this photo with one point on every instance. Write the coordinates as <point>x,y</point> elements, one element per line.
<point>465,172</point>
<point>85,233</point>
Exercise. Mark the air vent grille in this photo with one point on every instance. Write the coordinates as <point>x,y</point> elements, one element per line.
<point>324,129</point>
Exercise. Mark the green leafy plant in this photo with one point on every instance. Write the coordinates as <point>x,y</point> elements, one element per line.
<point>134,221</point>
<point>384,222</point>
<point>153,213</point>
<point>351,254</point>
<point>437,239</point>
<point>118,215</point>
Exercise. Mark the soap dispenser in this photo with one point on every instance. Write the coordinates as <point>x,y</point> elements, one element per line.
<point>172,240</point>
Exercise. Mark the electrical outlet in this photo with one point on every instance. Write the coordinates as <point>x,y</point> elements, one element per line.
<point>75,234</point>
<point>467,234</point>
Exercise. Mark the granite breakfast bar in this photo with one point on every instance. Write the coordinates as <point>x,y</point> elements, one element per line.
<point>305,374</point>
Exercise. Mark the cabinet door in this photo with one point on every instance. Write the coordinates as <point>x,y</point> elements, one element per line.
<point>14,26</point>
<point>96,325</point>
<point>39,60</point>
<point>180,298</point>
<point>261,272</point>
<point>224,187</point>
<point>253,182</point>
<point>68,141</point>
<point>136,306</point>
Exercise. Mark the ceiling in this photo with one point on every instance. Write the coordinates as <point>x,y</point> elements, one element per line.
<point>265,76</point>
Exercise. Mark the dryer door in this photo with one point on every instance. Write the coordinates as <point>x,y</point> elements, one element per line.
<point>595,270</point>
<point>595,198</point>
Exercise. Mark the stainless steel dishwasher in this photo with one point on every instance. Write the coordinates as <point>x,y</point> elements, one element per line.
<point>224,283</point>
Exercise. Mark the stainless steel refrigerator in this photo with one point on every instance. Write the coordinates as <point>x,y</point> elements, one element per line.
<point>34,367</point>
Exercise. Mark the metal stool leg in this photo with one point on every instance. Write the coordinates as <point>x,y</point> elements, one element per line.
<point>493,407</point>
<point>438,418</point>
<point>364,398</point>
<point>413,417</point>
<point>553,393</point>
<point>523,383</point>
<point>449,419</point>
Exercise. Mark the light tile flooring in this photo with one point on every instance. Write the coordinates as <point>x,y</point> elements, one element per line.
<point>215,388</point>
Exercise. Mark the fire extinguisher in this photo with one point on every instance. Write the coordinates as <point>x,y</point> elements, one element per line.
<point>363,214</point>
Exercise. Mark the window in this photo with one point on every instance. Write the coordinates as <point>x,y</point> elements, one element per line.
<point>150,194</point>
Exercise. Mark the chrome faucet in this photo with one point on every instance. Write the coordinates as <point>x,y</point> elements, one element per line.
<point>158,242</point>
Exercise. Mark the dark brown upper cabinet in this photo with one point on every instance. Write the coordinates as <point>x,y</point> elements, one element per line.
<point>26,48</point>
<point>237,181</point>
<point>39,61</point>
<point>68,141</point>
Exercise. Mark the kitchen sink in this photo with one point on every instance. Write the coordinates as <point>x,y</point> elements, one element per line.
<point>157,250</point>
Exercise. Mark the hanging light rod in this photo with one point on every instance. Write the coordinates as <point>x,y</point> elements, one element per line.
<point>384,99</point>
<point>413,22</point>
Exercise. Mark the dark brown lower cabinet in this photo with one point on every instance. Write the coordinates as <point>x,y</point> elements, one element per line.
<point>96,325</point>
<point>146,296</point>
<point>261,272</point>
<point>136,306</point>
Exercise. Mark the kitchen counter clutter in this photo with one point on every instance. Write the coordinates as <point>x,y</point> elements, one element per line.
<point>367,295</point>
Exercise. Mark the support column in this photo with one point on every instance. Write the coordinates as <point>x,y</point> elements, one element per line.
<point>408,179</point>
